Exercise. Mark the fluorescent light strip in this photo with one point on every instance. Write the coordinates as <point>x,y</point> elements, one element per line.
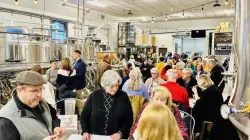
<point>96,3</point>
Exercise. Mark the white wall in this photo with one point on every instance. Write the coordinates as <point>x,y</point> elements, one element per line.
<point>165,41</point>
<point>168,41</point>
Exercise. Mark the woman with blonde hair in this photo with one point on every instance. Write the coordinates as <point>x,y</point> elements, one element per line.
<point>155,115</point>
<point>161,95</point>
<point>135,85</point>
<point>66,82</point>
<point>207,106</point>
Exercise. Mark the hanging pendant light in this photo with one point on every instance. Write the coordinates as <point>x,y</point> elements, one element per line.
<point>16,2</point>
<point>226,2</point>
<point>35,2</point>
<point>166,19</point>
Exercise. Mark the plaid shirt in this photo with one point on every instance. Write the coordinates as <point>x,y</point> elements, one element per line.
<point>181,124</point>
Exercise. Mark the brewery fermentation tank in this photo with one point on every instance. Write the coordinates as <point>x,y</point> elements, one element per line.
<point>31,49</point>
<point>241,93</point>
<point>63,50</point>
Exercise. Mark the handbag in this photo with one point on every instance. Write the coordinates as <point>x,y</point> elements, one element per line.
<point>64,86</point>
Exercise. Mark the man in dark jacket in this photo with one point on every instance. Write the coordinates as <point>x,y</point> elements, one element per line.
<point>187,81</point>
<point>80,80</point>
<point>215,71</point>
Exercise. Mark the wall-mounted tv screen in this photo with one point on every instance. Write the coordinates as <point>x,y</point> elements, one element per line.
<point>198,34</point>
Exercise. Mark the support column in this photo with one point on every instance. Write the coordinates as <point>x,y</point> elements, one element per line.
<point>78,23</point>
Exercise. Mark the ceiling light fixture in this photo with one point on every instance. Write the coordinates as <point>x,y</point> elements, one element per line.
<point>65,0</point>
<point>16,2</point>
<point>183,13</point>
<point>140,22</point>
<point>202,7</point>
<point>96,3</point>
<point>35,1</point>
<point>226,2</point>
<point>152,20</point>
<point>166,19</point>
<point>216,4</point>
<point>171,10</point>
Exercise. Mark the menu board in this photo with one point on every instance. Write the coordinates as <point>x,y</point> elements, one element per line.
<point>223,43</point>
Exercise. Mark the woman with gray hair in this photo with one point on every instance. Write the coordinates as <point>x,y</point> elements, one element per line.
<point>135,85</point>
<point>155,80</point>
<point>108,110</point>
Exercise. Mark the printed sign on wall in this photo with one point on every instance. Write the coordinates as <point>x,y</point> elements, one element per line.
<point>223,43</point>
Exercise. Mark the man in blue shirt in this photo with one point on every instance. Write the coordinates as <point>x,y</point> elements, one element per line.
<point>80,68</point>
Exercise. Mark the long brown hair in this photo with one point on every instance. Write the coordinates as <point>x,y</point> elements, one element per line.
<point>38,69</point>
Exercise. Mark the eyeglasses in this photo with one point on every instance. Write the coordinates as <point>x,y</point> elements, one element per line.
<point>186,73</point>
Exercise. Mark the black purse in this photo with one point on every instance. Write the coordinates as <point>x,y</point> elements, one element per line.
<point>64,86</point>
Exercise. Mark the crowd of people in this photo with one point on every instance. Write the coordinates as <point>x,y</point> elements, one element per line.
<point>141,101</point>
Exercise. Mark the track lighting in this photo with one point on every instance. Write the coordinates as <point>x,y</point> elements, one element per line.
<point>217,4</point>
<point>152,20</point>
<point>16,2</point>
<point>183,13</point>
<point>166,19</point>
<point>226,2</point>
<point>35,1</point>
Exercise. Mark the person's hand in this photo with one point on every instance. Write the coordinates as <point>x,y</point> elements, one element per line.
<point>116,136</point>
<point>86,136</point>
<point>194,89</point>
<point>196,96</point>
<point>53,137</point>
<point>60,131</point>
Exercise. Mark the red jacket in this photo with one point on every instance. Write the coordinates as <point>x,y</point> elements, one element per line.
<point>178,92</point>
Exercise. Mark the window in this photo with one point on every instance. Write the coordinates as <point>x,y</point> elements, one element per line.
<point>59,31</point>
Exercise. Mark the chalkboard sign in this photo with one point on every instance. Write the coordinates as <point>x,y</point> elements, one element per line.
<point>223,43</point>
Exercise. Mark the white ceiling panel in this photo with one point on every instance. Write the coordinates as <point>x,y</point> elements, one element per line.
<point>159,8</point>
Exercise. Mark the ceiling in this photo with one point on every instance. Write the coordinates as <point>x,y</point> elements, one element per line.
<point>146,9</point>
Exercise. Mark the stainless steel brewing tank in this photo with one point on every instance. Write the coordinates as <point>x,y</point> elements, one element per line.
<point>16,52</point>
<point>242,48</point>
<point>66,50</point>
<point>38,53</point>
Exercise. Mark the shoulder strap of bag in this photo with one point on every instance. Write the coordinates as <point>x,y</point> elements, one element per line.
<point>71,71</point>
